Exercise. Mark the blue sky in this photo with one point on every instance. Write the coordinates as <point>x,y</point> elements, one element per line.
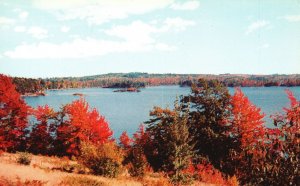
<point>42,38</point>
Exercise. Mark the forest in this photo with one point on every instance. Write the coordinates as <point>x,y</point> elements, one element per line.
<point>138,80</point>
<point>209,136</point>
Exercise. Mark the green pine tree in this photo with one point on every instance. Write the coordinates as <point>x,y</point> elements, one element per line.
<point>172,141</point>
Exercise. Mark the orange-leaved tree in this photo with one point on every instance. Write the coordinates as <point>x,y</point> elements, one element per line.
<point>82,124</point>
<point>125,140</point>
<point>13,116</point>
<point>248,132</point>
<point>247,122</point>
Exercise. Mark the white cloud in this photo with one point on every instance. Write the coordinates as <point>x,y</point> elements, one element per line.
<point>264,46</point>
<point>6,21</point>
<point>164,47</point>
<point>189,5</point>
<point>23,15</point>
<point>34,31</point>
<point>58,4</point>
<point>292,18</point>
<point>135,37</point>
<point>256,26</point>
<point>141,32</point>
<point>38,32</point>
<point>178,23</point>
<point>64,29</point>
<point>98,12</point>
<point>79,48</point>
<point>137,31</point>
<point>20,29</point>
<point>74,36</point>
<point>16,10</point>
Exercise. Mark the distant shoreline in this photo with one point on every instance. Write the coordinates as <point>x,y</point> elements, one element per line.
<point>136,90</point>
<point>34,94</point>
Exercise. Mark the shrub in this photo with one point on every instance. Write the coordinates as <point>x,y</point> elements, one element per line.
<point>205,172</point>
<point>24,158</point>
<point>68,167</point>
<point>208,174</point>
<point>103,160</point>
<point>138,162</point>
<point>233,181</point>
<point>105,166</point>
<point>181,179</point>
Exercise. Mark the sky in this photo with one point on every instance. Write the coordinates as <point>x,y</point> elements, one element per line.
<point>43,38</point>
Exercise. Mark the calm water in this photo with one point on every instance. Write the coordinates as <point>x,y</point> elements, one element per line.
<point>125,111</point>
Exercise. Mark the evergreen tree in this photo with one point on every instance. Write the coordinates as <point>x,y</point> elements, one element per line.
<point>210,110</point>
<point>178,145</point>
<point>171,141</point>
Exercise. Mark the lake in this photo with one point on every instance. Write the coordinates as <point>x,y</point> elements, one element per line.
<point>127,110</point>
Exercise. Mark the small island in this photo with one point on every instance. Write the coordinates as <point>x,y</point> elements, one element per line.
<point>128,90</point>
<point>78,94</point>
<point>127,86</point>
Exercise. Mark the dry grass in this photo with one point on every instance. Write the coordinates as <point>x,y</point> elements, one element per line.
<point>7,182</point>
<point>47,171</point>
<point>78,181</point>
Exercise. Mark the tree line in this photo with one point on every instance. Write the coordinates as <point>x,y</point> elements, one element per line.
<point>137,80</point>
<point>209,136</point>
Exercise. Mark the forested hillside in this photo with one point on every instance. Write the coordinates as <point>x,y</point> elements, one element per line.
<point>137,79</point>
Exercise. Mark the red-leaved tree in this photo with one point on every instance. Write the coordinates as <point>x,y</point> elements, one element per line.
<point>248,135</point>
<point>283,158</point>
<point>42,135</point>
<point>135,157</point>
<point>279,160</point>
<point>125,140</point>
<point>247,121</point>
<point>82,124</point>
<point>140,137</point>
<point>13,116</point>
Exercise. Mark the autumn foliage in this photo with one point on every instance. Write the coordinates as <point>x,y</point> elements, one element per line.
<point>42,135</point>
<point>206,173</point>
<point>13,116</point>
<point>209,136</point>
<point>125,140</point>
<point>247,122</point>
<point>134,152</point>
<point>82,124</point>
